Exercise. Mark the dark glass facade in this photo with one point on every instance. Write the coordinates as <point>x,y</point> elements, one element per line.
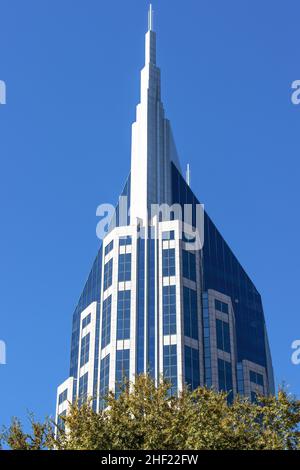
<point>222,272</point>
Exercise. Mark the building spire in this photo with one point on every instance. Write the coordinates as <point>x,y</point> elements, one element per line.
<point>150,53</point>
<point>150,18</point>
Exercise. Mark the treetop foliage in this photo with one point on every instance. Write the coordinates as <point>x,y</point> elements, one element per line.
<point>146,417</point>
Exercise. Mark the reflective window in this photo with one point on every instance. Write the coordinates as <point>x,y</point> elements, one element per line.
<point>60,420</point>
<point>168,262</point>
<point>125,241</point>
<point>221,306</point>
<point>256,378</point>
<point>122,369</point>
<point>189,265</point>
<point>206,341</point>
<point>83,387</point>
<point>169,235</point>
<point>109,247</point>
<point>108,269</point>
<point>104,380</point>
<point>63,396</point>
<point>223,335</point>
<point>169,310</point>
<point>106,322</point>
<point>86,321</point>
<point>170,366</point>
<point>225,378</point>
<point>125,267</point>
<point>85,350</point>
<point>123,315</point>
<point>191,364</point>
<point>190,313</point>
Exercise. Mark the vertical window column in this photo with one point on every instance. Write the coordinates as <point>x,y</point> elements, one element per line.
<point>85,350</point>
<point>225,378</point>
<point>123,315</point>
<point>122,369</point>
<point>106,322</point>
<point>104,380</point>
<point>170,366</point>
<point>124,267</point>
<point>192,367</point>
<point>190,313</point>
<point>169,310</point>
<point>223,335</point>
<point>108,271</point>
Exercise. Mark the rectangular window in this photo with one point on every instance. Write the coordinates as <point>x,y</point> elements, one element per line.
<point>225,378</point>
<point>63,396</point>
<point>189,265</point>
<point>85,350</point>
<point>190,313</point>
<point>221,306</point>
<point>109,248</point>
<point>124,267</point>
<point>256,378</point>
<point>60,420</point>
<point>169,310</point>
<point>169,235</point>
<point>122,369</point>
<point>83,387</point>
<point>192,368</point>
<point>123,315</point>
<point>168,262</point>
<point>125,241</point>
<point>106,322</point>
<point>108,270</point>
<point>223,335</point>
<point>86,321</point>
<point>170,366</point>
<point>104,380</point>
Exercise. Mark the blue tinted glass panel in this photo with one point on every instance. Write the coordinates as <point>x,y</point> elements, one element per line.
<point>223,335</point>
<point>169,310</point>
<point>225,377</point>
<point>190,313</point>
<point>125,267</point>
<point>108,269</point>
<point>82,389</point>
<point>85,350</point>
<point>170,366</point>
<point>104,380</point>
<point>106,322</point>
<point>122,369</point>
<point>123,315</point>
<point>141,305</point>
<point>86,321</point>
<point>125,241</point>
<point>192,367</point>
<point>109,247</point>
<point>168,262</point>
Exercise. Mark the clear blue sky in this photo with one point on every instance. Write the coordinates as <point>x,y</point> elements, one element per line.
<point>72,74</point>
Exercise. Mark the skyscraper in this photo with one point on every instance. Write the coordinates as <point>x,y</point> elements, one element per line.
<point>165,295</point>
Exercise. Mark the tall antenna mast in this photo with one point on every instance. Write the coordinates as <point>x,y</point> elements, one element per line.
<point>150,18</point>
